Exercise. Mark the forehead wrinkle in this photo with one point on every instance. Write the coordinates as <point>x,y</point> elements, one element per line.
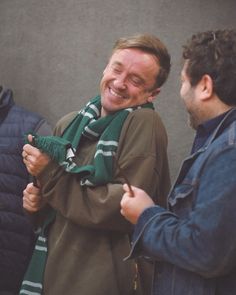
<point>117,63</point>
<point>133,65</point>
<point>134,73</point>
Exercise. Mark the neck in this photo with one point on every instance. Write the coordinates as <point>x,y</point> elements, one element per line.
<point>215,107</point>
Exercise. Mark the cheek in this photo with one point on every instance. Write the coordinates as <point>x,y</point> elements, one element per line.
<point>107,76</point>
<point>185,92</point>
<point>103,80</point>
<point>181,92</point>
<point>182,88</point>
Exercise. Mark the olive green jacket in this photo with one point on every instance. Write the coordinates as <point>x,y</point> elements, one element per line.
<point>90,238</point>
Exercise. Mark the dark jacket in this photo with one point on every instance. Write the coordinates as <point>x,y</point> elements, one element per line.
<point>16,232</point>
<point>194,242</point>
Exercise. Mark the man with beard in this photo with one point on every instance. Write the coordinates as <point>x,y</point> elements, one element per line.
<point>193,242</point>
<point>117,134</point>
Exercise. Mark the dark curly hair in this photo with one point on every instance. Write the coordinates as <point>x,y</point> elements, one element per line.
<point>213,53</point>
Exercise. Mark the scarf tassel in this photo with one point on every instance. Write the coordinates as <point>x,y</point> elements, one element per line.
<point>56,147</point>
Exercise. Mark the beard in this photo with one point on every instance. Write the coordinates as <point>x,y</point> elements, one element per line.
<point>193,120</point>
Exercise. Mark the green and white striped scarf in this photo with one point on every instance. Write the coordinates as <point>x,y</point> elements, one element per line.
<point>106,130</point>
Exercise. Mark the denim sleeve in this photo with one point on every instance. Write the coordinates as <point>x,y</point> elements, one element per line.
<point>204,241</point>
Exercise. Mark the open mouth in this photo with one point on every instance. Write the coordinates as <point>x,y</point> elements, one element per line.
<point>116,94</point>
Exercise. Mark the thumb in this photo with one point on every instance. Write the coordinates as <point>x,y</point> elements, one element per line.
<point>129,189</point>
<point>30,138</point>
<point>126,188</point>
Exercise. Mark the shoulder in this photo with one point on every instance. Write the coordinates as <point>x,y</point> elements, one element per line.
<point>147,120</point>
<point>25,112</point>
<point>143,129</point>
<point>28,120</point>
<point>145,115</point>
<point>64,122</point>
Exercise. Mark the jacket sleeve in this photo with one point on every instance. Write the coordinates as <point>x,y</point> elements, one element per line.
<point>204,241</point>
<point>99,207</point>
<point>44,129</point>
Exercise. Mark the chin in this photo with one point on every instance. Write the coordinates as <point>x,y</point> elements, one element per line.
<point>192,124</point>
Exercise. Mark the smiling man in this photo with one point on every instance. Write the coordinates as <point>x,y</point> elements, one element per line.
<point>87,238</point>
<point>129,80</point>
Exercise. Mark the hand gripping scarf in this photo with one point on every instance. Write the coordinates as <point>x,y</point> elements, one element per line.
<point>106,130</point>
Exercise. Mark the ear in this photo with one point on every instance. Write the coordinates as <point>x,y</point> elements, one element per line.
<point>205,86</point>
<point>153,94</point>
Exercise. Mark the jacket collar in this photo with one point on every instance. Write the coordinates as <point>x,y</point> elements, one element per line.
<point>225,122</point>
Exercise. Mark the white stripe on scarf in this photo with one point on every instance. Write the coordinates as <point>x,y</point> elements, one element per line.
<point>36,285</point>
<point>40,248</point>
<point>96,110</point>
<point>107,142</point>
<point>88,130</point>
<point>29,292</point>
<point>104,153</point>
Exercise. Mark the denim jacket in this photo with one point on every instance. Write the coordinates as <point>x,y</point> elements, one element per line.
<point>193,242</point>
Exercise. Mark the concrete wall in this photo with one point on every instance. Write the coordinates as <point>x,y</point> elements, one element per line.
<point>52,52</point>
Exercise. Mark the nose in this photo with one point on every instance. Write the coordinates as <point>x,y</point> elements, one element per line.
<point>120,82</point>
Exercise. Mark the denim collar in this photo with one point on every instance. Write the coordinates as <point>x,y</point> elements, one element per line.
<point>205,130</point>
<point>215,127</point>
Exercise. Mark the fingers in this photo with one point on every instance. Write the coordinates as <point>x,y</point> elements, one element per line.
<point>122,212</point>
<point>129,189</point>
<point>28,153</point>
<point>26,157</point>
<point>31,189</point>
<point>124,200</point>
<point>34,159</point>
<point>32,200</point>
<point>125,203</point>
<point>127,208</point>
<point>31,206</point>
<point>125,187</point>
<point>29,149</point>
<point>132,208</point>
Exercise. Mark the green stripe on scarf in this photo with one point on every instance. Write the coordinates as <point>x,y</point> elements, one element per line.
<point>106,130</point>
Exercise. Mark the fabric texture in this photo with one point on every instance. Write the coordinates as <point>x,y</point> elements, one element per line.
<point>89,238</point>
<point>88,123</point>
<point>106,132</point>
<point>193,243</point>
<point>16,232</point>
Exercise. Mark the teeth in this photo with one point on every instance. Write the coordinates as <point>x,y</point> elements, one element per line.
<point>115,94</point>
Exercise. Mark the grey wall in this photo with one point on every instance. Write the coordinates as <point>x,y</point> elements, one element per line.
<point>52,52</point>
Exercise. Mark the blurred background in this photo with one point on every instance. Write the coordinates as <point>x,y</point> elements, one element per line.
<point>53,52</point>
